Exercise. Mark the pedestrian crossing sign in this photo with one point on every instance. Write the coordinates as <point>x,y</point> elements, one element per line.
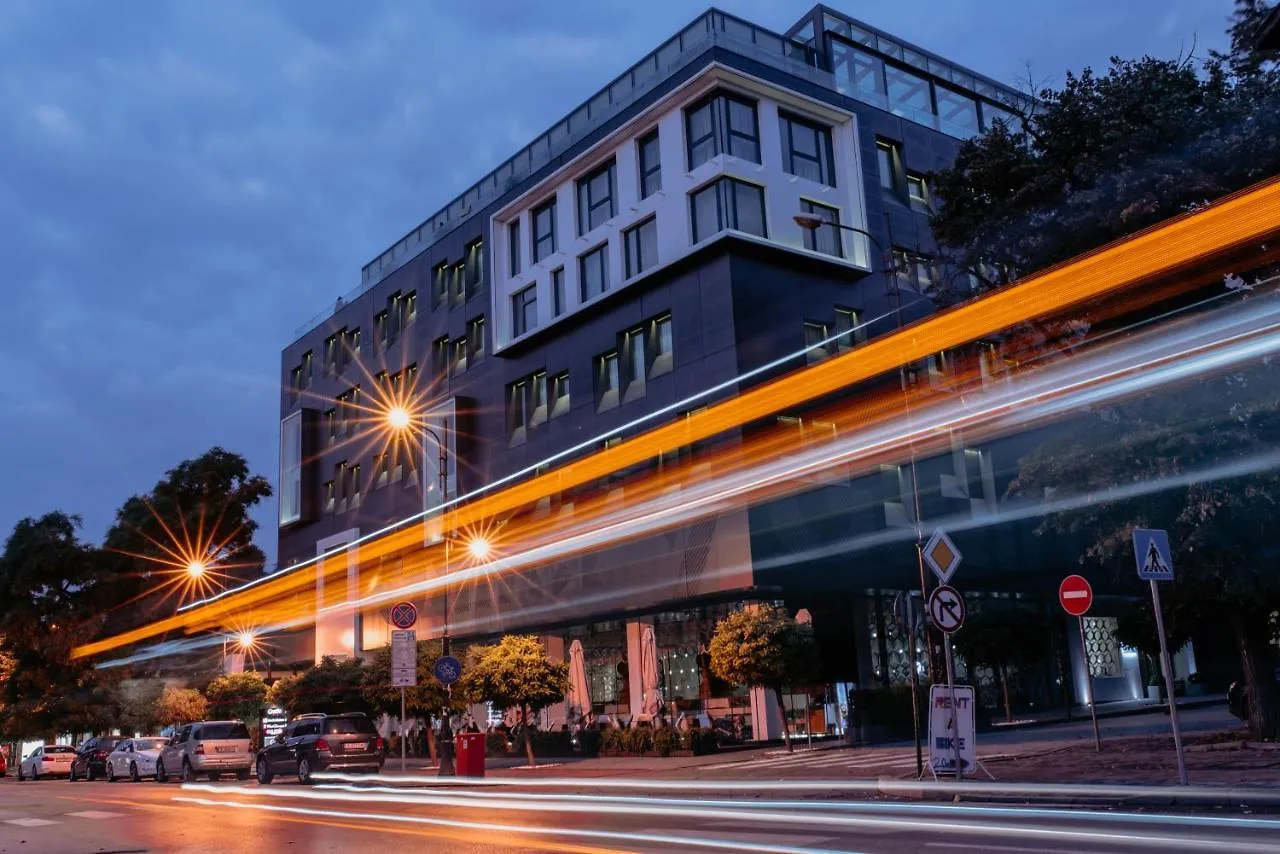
<point>1151,547</point>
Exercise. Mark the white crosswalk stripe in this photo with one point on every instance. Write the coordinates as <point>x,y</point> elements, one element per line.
<point>822,759</point>
<point>96,814</point>
<point>30,822</point>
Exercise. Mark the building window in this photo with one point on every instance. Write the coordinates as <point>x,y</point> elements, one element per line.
<point>459,283</point>
<point>441,355</point>
<point>633,363</point>
<point>917,192</point>
<point>642,246</point>
<point>858,73</point>
<point>513,245</point>
<point>728,203</point>
<point>595,197</point>
<point>544,230</point>
<point>593,272</point>
<point>348,418</point>
<point>888,156</point>
<point>909,95</point>
<point>806,149</point>
<point>912,270</point>
<point>347,478</point>
<point>524,310</point>
<point>607,381</point>
<point>474,269</point>
<point>661,352</point>
<point>331,426</point>
<point>558,296</point>
<point>650,164</point>
<point>458,356</point>
<point>824,238</point>
<point>559,394</point>
<point>332,354</point>
<point>351,349</point>
<point>518,410</point>
<point>816,345</point>
<point>381,469</point>
<point>722,124</point>
<point>439,284</point>
<point>957,112</point>
<point>382,329</point>
<point>475,339</point>
<point>295,383</point>
<point>291,469</point>
<point>849,329</point>
<point>330,496</point>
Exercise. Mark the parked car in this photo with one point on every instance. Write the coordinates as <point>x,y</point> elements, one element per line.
<point>4,764</point>
<point>207,747</point>
<point>90,761</point>
<point>318,742</point>
<point>135,758</point>
<point>47,760</point>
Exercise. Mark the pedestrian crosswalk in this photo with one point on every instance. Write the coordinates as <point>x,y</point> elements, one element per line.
<point>867,761</point>
<point>45,822</point>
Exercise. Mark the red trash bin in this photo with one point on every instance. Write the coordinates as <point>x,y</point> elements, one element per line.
<point>469,754</point>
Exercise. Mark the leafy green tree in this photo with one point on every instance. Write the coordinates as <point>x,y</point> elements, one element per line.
<point>237,696</point>
<point>1221,530</point>
<point>1003,640</point>
<point>425,700</point>
<point>1107,155</point>
<point>50,584</point>
<point>181,706</point>
<point>515,672</point>
<point>138,705</point>
<point>763,647</point>
<point>334,685</point>
<point>198,512</point>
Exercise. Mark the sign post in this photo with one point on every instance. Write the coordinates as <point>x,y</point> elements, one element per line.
<point>404,659</point>
<point>909,614</point>
<point>947,610</point>
<point>1076,597</point>
<point>1155,564</point>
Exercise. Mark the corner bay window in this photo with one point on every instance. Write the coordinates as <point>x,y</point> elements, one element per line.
<point>727,203</point>
<point>722,124</point>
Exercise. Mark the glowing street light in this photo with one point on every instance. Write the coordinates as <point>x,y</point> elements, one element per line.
<point>196,569</point>
<point>479,548</point>
<point>246,640</point>
<point>398,418</point>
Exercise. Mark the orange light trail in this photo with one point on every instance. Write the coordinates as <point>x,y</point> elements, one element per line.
<point>1238,223</point>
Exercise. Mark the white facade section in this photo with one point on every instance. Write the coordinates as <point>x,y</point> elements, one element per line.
<point>783,196</point>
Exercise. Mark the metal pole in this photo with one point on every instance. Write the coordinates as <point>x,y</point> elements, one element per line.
<point>402,739</point>
<point>1167,667</point>
<point>1088,686</point>
<point>955,713</point>
<point>915,709</point>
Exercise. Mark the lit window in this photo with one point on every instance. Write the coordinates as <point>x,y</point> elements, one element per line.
<point>917,191</point>
<point>660,346</point>
<point>642,246</point>
<point>593,272</point>
<point>459,283</point>
<point>849,328</point>
<point>475,339</point>
<point>458,356</point>
<point>439,283</point>
<point>474,269</point>
<point>595,198</point>
<point>607,381</point>
<point>633,362</point>
<point>806,149</point>
<point>727,203</point>
<point>824,238</point>
<point>815,341</point>
<point>560,394</point>
<point>650,165</point>
<point>524,310</point>
<point>291,469</point>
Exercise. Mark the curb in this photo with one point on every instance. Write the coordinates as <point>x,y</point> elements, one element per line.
<point>1078,794</point>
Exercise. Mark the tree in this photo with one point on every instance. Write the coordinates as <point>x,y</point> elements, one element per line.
<point>1003,640</point>
<point>238,696</point>
<point>515,672</point>
<point>198,512</point>
<point>1105,156</point>
<point>181,706</point>
<point>50,584</point>
<point>1221,528</point>
<point>762,647</point>
<point>139,700</point>
<point>425,700</point>
<point>334,685</point>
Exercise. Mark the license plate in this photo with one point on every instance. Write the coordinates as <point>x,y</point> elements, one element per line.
<point>351,747</point>
<point>226,750</point>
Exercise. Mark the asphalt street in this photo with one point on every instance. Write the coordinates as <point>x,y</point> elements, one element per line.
<point>55,817</point>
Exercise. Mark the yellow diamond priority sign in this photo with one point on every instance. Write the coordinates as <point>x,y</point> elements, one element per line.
<point>942,556</point>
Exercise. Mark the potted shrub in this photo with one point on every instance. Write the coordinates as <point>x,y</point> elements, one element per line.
<point>640,740</point>
<point>1154,687</point>
<point>589,742</point>
<point>665,741</point>
<point>611,741</point>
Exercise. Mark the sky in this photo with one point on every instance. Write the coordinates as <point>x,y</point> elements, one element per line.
<point>184,184</point>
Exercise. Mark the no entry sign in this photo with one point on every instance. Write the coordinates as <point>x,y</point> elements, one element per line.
<point>1076,595</point>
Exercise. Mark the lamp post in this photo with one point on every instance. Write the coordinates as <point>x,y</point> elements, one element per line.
<point>811,223</point>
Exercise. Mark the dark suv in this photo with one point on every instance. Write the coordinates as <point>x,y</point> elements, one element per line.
<point>322,743</point>
<point>91,759</point>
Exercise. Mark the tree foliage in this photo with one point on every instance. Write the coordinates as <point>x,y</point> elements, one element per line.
<point>181,706</point>
<point>237,696</point>
<point>763,647</point>
<point>1107,155</point>
<point>333,686</point>
<point>139,701</point>
<point>1003,640</point>
<point>1197,459</point>
<point>515,672</point>
<point>424,700</point>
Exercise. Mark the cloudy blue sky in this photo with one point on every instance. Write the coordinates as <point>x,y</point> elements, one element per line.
<point>183,183</point>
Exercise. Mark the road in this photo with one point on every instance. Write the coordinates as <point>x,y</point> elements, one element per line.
<point>54,817</point>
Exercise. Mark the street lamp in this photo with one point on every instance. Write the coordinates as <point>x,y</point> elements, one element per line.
<point>196,570</point>
<point>813,222</point>
<point>479,548</point>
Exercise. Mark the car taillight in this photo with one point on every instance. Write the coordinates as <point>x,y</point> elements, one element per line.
<point>322,745</point>
<point>380,743</point>
<point>101,754</point>
<point>199,751</point>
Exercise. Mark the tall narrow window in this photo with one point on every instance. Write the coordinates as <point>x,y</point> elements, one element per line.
<point>806,149</point>
<point>524,310</point>
<point>917,192</point>
<point>474,269</point>
<point>824,238</point>
<point>513,246</point>
<point>607,381</point>
<point>888,156</point>
<point>381,325</point>
<point>722,124</point>
<point>518,410</point>
<point>332,349</point>
<point>593,272</point>
<point>815,337</point>
<point>439,284</point>
<point>633,364</point>
<point>650,164</point>
<point>475,339</point>
<point>544,230</point>
<point>660,346</point>
<point>537,398</point>
<point>558,296</point>
<point>459,283</point>
<point>849,329</point>
<point>458,356</point>
<point>642,246</point>
<point>291,469</point>
<point>560,394</point>
<point>728,203</point>
<point>596,197</point>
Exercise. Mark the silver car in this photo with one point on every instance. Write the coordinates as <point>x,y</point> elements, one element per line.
<point>47,760</point>
<point>208,747</point>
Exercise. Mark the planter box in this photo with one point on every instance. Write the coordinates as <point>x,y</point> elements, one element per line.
<point>1155,692</point>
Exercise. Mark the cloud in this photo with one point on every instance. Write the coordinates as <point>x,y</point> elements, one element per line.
<point>54,122</point>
